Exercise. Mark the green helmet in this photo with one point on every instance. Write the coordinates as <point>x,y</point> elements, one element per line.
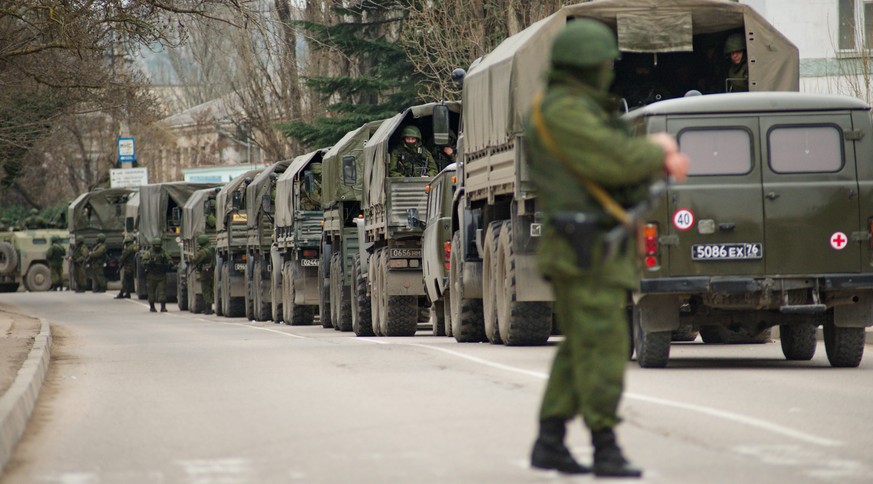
<point>202,239</point>
<point>315,168</point>
<point>156,242</point>
<point>584,43</point>
<point>101,237</point>
<point>54,239</point>
<point>733,43</point>
<point>411,132</point>
<point>80,239</point>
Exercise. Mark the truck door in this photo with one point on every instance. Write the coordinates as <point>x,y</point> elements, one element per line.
<point>811,205</point>
<point>715,221</point>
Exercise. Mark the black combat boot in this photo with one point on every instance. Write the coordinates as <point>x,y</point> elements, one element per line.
<point>208,310</point>
<point>120,295</point>
<point>152,308</point>
<point>163,307</point>
<point>549,451</point>
<point>608,459</point>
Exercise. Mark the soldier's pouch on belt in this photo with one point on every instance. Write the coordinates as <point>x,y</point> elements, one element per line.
<point>582,231</point>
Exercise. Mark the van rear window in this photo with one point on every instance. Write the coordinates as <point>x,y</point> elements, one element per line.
<point>805,149</point>
<point>725,151</point>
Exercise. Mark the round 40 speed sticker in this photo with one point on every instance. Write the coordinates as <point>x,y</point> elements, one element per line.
<point>683,219</point>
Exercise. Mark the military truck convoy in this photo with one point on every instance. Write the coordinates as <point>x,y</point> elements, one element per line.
<point>230,246</point>
<point>98,212</point>
<point>198,218</point>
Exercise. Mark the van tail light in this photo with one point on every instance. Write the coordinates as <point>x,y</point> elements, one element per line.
<point>447,253</point>
<point>650,246</point>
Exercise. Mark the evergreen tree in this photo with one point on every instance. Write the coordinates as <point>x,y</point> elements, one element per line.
<point>374,78</point>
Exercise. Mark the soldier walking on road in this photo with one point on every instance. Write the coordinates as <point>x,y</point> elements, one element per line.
<point>80,260</point>
<point>157,264</point>
<point>55,258</point>
<point>127,261</point>
<point>204,262</point>
<point>577,141</point>
<point>97,260</point>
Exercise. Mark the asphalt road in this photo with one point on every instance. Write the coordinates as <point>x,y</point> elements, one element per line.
<point>179,398</point>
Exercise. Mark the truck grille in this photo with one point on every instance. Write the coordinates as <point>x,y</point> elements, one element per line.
<point>405,196</point>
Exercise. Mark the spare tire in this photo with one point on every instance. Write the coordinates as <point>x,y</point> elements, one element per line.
<point>8,259</point>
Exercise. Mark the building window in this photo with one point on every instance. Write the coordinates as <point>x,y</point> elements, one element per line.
<point>856,24</point>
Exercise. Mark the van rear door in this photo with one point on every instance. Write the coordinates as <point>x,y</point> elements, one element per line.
<point>811,203</point>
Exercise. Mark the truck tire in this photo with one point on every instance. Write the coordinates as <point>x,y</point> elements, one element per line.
<point>798,341</point>
<point>8,259</point>
<point>844,346</point>
<point>196,301</point>
<point>375,273</point>
<point>262,308</point>
<point>217,287</point>
<point>181,289</point>
<point>235,306</point>
<point>294,314</point>
<point>520,323</point>
<point>324,290</point>
<point>38,278</point>
<point>248,300</point>
<point>438,318</point>
<point>340,294</point>
<point>400,312</point>
<point>362,317</point>
<point>490,284</point>
<point>277,285</point>
<point>467,319</point>
<point>652,348</point>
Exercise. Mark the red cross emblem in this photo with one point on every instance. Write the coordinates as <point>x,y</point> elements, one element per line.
<point>839,241</point>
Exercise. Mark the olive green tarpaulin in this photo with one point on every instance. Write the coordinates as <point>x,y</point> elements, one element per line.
<point>154,203</point>
<point>193,215</point>
<point>377,150</point>
<point>259,187</point>
<point>285,199</point>
<point>99,210</point>
<point>499,87</point>
<point>333,188</point>
<point>223,200</point>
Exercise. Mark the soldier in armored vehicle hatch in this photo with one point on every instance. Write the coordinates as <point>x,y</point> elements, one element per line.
<point>411,158</point>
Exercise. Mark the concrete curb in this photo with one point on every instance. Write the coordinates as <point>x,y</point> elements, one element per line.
<point>17,404</point>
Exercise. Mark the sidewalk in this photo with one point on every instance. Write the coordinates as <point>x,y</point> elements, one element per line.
<point>25,345</point>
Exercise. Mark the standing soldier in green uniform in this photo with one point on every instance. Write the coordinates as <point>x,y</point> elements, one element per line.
<point>157,264</point>
<point>80,260</point>
<point>411,158</point>
<point>310,197</point>
<point>97,260</point>
<point>204,262</point>
<point>738,69</point>
<point>55,257</point>
<point>576,140</point>
<point>127,260</point>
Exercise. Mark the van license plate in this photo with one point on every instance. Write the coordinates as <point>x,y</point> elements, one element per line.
<point>741,251</point>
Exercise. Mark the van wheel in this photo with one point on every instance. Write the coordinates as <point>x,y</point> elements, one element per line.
<point>844,346</point>
<point>38,278</point>
<point>8,258</point>
<point>362,320</point>
<point>653,348</point>
<point>520,323</point>
<point>798,341</point>
<point>490,283</point>
<point>467,318</point>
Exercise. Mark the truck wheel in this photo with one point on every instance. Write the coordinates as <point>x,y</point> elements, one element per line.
<point>217,287</point>
<point>468,323</point>
<point>798,341</point>
<point>235,307</point>
<point>437,316</point>
<point>262,308</point>
<point>324,291</point>
<point>181,290</point>
<point>38,278</point>
<point>249,292</point>
<point>277,292</point>
<point>844,346</point>
<point>490,285</point>
<point>196,302</point>
<point>520,323</point>
<point>294,314</point>
<point>362,321</point>
<point>653,348</point>
<point>340,297</point>
<point>400,312</point>
<point>8,259</point>
<point>377,314</point>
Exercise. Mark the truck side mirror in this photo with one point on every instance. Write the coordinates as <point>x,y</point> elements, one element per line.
<point>236,200</point>
<point>176,217</point>
<point>441,125</point>
<point>309,181</point>
<point>350,170</point>
<point>267,204</point>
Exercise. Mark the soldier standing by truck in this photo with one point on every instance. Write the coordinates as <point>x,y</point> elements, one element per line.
<point>128,267</point>
<point>582,160</point>
<point>97,260</point>
<point>157,263</point>
<point>204,262</point>
<point>55,258</point>
<point>80,258</point>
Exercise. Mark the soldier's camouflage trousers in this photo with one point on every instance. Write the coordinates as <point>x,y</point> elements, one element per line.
<point>127,282</point>
<point>157,288</point>
<point>207,278</point>
<point>57,272</point>
<point>98,277</point>
<point>587,374</point>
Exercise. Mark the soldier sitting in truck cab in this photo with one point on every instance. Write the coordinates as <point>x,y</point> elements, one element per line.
<point>445,155</point>
<point>310,193</point>
<point>411,158</point>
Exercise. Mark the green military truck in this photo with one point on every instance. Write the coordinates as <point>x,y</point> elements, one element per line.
<point>260,214</point>
<point>386,272</point>
<point>342,186</point>
<point>436,246</point>
<point>230,246</point>
<point>101,211</point>
<point>298,240</point>
<point>160,216</point>
<point>496,293</point>
<point>23,259</point>
<point>774,226</point>
<point>198,218</point>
